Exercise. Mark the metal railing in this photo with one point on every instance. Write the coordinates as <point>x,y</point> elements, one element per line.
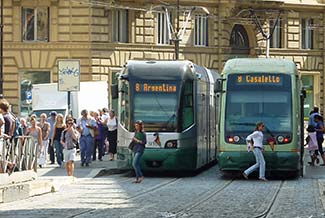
<point>18,154</point>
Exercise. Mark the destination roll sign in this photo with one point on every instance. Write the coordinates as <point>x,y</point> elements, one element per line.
<point>259,79</point>
<point>155,87</point>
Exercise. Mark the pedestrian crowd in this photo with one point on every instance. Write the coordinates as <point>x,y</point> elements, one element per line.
<point>93,134</point>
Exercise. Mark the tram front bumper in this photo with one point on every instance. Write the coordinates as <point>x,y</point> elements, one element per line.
<point>275,161</point>
<point>161,159</point>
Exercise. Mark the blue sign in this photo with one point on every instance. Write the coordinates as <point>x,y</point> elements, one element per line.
<point>28,94</point>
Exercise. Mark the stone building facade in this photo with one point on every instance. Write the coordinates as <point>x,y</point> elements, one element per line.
<point>104,34</point>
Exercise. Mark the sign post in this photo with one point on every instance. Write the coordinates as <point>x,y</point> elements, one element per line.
<point>68,78</point>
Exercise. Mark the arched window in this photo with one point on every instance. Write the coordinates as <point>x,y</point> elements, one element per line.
<point>239,40</point>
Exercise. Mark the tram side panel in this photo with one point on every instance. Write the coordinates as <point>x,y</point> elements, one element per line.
<point>203,120</point>
<point>200,120</point>
<point>213,107</point>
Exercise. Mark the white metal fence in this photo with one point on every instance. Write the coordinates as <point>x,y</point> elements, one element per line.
<point>18,154</point>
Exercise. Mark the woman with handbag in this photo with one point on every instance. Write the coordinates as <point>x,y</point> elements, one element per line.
<point>139,141</point>
<point>258,148</point>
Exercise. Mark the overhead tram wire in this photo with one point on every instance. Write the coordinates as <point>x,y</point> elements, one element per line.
<point>108,5</point>
<point>152,8</point>
<point>159,8</point>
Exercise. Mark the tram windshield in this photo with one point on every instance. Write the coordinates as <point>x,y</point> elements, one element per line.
<point>250,103</point>
<point>157,110</point>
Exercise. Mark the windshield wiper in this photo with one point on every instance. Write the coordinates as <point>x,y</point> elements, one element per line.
<point>170,119</point>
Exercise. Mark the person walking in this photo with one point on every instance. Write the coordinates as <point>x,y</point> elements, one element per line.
<point>255,141</point>
<point>45,127</point>
<point>56,138</point>
<point>36,133</point>
<point>69,139</point>
<point>23,126</point>
<point>111,123</point>
<point>103,117</point>
<point>319,135</point>
<point>9,123</point>
<point>312,144</point>
<point>99,141</point>
<point>51,121</point>
<point>85,125</point>
<point>312,114</point>
<point>139,140</point>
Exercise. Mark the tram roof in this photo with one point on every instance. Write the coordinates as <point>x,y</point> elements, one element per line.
<point>259,65</point>
<point>160,70</point>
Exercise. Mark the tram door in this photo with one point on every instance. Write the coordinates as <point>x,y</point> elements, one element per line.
<point>202,123</point>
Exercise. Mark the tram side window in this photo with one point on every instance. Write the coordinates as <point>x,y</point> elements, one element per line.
<point>187,105</point>
<point>125,106</point>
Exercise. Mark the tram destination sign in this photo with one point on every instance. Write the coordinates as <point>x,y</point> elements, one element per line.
<point>259,79</point>
<point>155,87</point>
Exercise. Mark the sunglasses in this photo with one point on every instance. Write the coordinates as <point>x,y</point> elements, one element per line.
<point>70,123</point>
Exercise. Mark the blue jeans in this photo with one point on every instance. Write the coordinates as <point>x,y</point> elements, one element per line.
<point>86,148</point>
<point>136,164</point>
<point>260,163</point>
<point>58,151</point>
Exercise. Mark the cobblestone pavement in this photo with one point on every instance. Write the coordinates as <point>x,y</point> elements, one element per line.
<point>207,194</point>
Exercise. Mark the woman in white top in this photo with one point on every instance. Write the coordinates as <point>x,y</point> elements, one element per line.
<point>45,128</point>
<point>255,140</point>
<point>111,123</point>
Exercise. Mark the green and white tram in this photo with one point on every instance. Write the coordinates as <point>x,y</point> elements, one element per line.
<point>179,108</point>
<point>258,89</point>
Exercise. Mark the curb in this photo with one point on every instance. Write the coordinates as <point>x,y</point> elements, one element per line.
<point>27,184</point>
<point>107,172</point>
<point>24,190</point>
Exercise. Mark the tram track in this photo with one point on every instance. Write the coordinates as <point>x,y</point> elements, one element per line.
<point>142,193</point>
<point>266,212</point>
<point>207,195</point>
<point>186,210</point>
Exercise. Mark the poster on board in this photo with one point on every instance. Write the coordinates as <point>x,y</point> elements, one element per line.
<point>69,75</point>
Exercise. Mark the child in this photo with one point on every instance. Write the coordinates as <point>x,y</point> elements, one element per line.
<point>312,145</point>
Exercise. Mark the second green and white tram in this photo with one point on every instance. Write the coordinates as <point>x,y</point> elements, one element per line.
<point>179,108</point>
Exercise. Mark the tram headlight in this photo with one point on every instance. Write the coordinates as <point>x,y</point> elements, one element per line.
<point>233,139</point>
<point>280,139</point>
<point>171,144</point>
<point>236,138</point>
<point>284,139</point>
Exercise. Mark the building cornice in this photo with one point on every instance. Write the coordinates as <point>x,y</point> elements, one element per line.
<point>40,46</point>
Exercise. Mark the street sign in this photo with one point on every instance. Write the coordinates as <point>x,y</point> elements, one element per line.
<point>69,75</point>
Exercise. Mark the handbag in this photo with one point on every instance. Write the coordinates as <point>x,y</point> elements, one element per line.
<point>131,145</point>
